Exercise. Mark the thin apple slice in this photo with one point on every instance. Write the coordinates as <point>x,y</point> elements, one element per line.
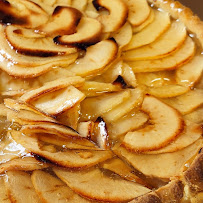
<point>191,134</point>
<point>139,11</point>
<point>59,101</point>
<point>155,165</point>
<point>51,189</point>
<point>100,187</point>
<point>166,44</point>
<point>195,116</point>
<point>97,57</point>
<point>125,107</point>
<point>148,21</point>
<point>50,128</point>
<point>88,32</point>
<point>187,102</point>
<point>190,73</point>
<point>20,188</point>
<point>172,192</point>
<point>85,129</point>
<point>123,35</point>
<point>79,5</point>
<point>119,167</point>
<point>128,123</point>
<point>167,91</point>
<point>173,61</point>
<point>57,25</point>
<point>22,164</point>
<point>27,42</point>
<point>74,159</point>
<point>95,107</point>
<point>166,125</point>
<point>68,143</point>
<point>149,34</point>
<point>115,19</point>
<point>51,87</point>
<point>91,11</point>
<point>3,192</point>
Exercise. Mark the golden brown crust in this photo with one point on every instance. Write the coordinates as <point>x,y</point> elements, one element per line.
<point>178,11</point>
<point>194,175</point>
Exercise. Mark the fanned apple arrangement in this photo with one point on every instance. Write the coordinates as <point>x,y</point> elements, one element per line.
<point>101,101</point>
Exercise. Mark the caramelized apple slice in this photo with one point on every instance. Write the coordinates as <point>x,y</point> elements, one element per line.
<point>147,198</point>
<point>173,61</point>
<point>58,26</point>
<point>148,21</point>
<point>79,5</point>
<point>97,57</point>
<point>166,125</point>
<point>51,87</point>
<point>128,123</point>
<point>119,111</point>
<point>117,166</point>
<point>51,189</point>
<point>50,128</point>
<point>59,101</point>
<point>85,129</point>
<point>187,102</point>
<point>20,188</point>
<point>167,91</point>
<point>95,107</point>
<point>3,192</point>
<point>115,19</point>
<point>155,165</point>
<point>27,42</point>
<point>100,187</point>
<point>88,32</point>
<point>74,159</point>
<point>23,164</point>
<point>190,135</point>
<point>151,32</point>
<point>190,73</point>
<point>169,42</point>
<point>195,116</point>
<point>139,11</point>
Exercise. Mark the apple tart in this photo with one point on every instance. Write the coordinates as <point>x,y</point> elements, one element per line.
<point>101,101</point>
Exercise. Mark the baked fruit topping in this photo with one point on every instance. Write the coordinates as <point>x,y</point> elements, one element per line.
<point>101,101</point>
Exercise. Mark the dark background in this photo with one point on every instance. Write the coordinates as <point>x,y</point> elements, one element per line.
<point>195,5</point>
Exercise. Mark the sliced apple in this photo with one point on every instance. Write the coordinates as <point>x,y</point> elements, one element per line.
<point>190,73</point>
<point>58,26</point>
<point>74,159</point>
<point>167,91</point>
<point>91,108</point>
<point>166,125</point>
<point>20,188</point>
<point>149,34</point>
<point>149,20</point>
<point>125,107</point>
<point>97,57</point>
<point>51,87</point>
<point>155,165</point>
<point>123,35</point>
<point>173,61</point>
<point>195,116</point>
<point>173,191</point>
<point>85,129</point>
<point>79,5</point>
<point>24,13</point>
<point>3,192</point>
<point>191,134</point>
<point>169,42</point>
<point>51,189</point>
<point>139,11</point>
<point>49,128</point>
<point>119,167</point>
<point>147,198</point>
<point>91,11</point>
<point>100,187</point>
<point>27,42</point>
<point>59,101</point>
<point>23,164</point>
<point>187,102</point>
<point>130,122</point>
<point>115,19</point>
<point>88,32</point>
